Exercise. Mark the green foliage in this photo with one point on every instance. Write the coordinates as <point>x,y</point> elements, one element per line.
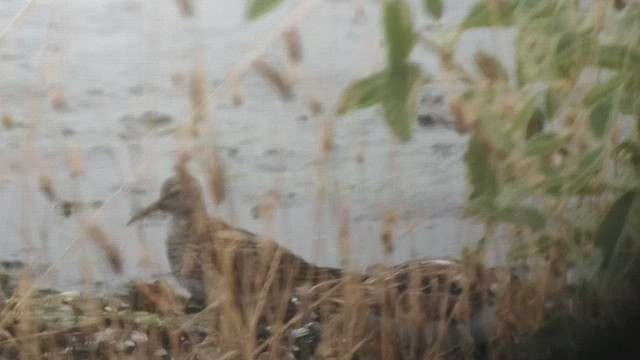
<point>606,293</point>
<point>612,232</point>
<point>398,28</point>
<point>632,151</point>
<point>522,215</point>
<point>586,168</point>
<point>603,114</point>
<point>554,337</point>
<point>400,92</point>
<point>545,156</point>
<point>480,172</point>
<point>569,337</point>
<point>434,8</point>
<point>543,144</point>
<point>396,87</point>
<point>258,8</point>
<point>490,13</point>
<point>603,89</point>
<point>552,148</point>
<point>362,93</point>
<point>522,118</point>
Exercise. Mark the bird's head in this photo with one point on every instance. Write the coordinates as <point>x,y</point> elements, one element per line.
<point>180,195</point>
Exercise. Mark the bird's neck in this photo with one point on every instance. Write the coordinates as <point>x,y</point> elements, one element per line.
<point>182,242</point>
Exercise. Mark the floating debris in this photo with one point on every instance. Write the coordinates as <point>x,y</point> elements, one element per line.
<point>155,120</point>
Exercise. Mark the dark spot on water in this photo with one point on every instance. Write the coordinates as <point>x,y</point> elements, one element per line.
<point>67,208</point>
<point>255,212</point>
<point>154,120</point>
<point>136,90</point>
<point>67,131</point>
<point>443,150</point>
<point>426,120</point>
<point>273,151</point>
<point>95,91</point>
<point>232,151</point>
<point>12,264</point>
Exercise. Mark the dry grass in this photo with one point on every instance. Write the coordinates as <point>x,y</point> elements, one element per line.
<point>418,310</point>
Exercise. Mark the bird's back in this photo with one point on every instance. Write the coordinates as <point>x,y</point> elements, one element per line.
<point>258,268</point>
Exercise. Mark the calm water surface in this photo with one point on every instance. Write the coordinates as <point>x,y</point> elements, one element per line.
<point>111,61</point>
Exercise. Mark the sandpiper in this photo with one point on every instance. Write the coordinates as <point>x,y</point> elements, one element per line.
<point>253,269</point>
<point>422,298</point>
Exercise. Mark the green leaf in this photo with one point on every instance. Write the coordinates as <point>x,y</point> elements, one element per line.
<point>525,114</point>
<point>483,206</point>
<point>634,229</point>
<point>630,99</point>
<point>555,95</point>
<point>571,49</point>
<point>614,56</point>
<point>587,167</point>
<point>543,144</point>
<point>362,93</point>
<point>433,7</point>
<point>602,115</point>
<point>399,33</point>
<point>534,9</point>
<point>480,173</point>
<point>512,195</point>
<point>522,215</point>
<point>536,123</point>
<point>602,89</point>
<point>610,231</point>
<point>400,91</point>
<point>498,136</point>
<point>632,150</point>
<point>258,8</point>
<point>484,14</point>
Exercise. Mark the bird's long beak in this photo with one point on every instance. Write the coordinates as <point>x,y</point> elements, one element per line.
<point>144,212</point>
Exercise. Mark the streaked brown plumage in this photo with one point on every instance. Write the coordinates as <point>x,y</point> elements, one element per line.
<point>260,277</point>
<point>256,271</point>
<point>433,308</point>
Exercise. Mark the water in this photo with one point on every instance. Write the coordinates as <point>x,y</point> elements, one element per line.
<point>115,60</point>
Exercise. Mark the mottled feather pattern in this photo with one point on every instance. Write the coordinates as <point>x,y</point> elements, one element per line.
<point>418,301</point>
